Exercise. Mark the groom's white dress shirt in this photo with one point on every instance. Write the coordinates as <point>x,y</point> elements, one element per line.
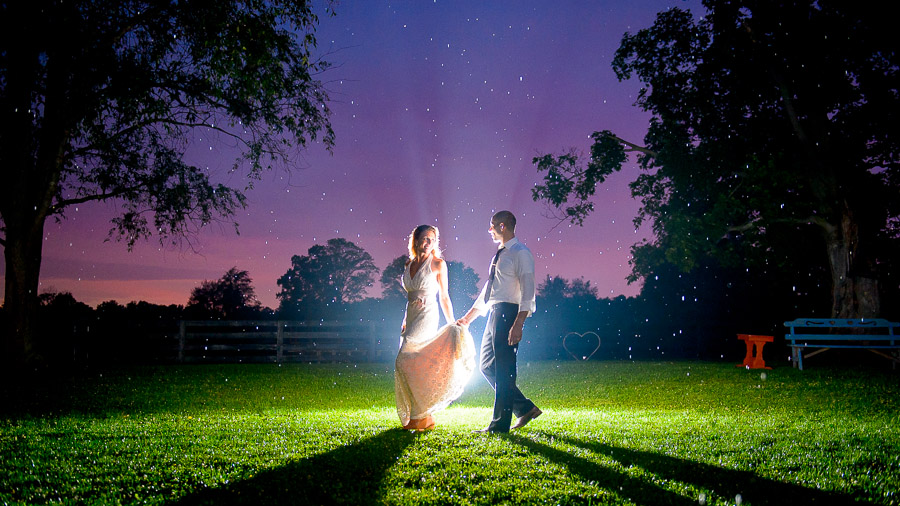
<point>513,280</point>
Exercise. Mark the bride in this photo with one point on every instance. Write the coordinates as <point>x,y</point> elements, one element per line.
<point>433,366</point>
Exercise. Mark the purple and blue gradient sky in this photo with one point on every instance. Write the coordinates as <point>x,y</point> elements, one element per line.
<point>439,107</point>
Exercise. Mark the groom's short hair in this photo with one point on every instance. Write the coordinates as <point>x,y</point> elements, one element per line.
<point>507,218</point>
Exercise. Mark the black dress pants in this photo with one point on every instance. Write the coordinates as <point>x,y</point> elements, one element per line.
<point>498,365</point>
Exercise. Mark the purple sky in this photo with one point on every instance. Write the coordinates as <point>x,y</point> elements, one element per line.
<point>438,107</point>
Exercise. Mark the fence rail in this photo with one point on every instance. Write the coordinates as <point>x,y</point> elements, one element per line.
<point>284,341</point>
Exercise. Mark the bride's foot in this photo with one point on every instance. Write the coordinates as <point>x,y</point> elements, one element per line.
<point>428,424</point>
<point>420,424</point>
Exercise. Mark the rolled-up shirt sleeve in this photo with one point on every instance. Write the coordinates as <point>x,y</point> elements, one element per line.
<point>525,274</point>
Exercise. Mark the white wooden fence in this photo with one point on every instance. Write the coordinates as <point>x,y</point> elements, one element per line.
<point>285,341</point>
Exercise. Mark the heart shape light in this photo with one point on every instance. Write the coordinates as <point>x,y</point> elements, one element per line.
<point>584,337</point>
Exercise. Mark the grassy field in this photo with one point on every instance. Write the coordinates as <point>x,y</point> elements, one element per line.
<point>683,433</point>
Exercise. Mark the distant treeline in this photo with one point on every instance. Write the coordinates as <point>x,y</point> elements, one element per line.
<point>676,316</point>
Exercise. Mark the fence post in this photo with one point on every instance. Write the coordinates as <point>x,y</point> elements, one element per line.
<point>279,338</point>
<point>182,330</point>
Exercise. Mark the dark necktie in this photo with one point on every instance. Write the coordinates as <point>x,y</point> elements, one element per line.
<point>487,291</point>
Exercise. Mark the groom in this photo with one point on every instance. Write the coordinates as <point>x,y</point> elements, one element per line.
<point>507,298</point>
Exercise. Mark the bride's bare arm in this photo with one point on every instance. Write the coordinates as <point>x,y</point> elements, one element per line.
<point>446,305</point>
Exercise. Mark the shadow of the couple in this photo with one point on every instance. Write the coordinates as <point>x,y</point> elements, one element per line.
<point>350,474</point>
<point>353,474</point>
<point>725,483</point>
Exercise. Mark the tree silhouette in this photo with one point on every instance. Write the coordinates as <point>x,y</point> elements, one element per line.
<point>553,289</point>
<point>391,284</point>
<point>230,297</point>
<point>565,306</point>
<point>99,97</point>
<point>65,323</point>
<point>326,277</point>
<point>770,129</point>
<point>581,289</point>
<point>463,285</point>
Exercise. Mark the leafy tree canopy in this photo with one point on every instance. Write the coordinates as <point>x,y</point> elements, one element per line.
<point>770,120</point>
<point>230,297</point>
<point>555,289</point>
<point>100,99</point>
<point>332,274</point>
<point>391,278</point>
<point>463,285</point>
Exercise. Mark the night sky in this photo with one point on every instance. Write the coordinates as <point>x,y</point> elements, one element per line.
<point>438,108</point>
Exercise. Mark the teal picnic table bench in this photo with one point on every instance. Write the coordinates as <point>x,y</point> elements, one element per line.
<point>818,335</point>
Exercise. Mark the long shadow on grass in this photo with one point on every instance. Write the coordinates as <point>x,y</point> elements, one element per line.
<point>347,475</point>
<point>635,489</point>
<point>726,483</point>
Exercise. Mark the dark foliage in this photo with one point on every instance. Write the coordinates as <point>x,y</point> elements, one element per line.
<point>770,126</point>
<point>231,297</point>
<point>391,279</point>
<point>679,315</point>
<point>98,99</point>
<point>320,283</point>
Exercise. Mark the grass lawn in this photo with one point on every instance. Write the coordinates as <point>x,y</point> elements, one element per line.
<point>684,433</point>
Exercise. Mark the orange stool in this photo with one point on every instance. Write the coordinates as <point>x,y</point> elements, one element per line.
<point>752,361</point>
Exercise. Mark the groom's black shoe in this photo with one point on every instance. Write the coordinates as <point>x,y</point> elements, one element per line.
<point>486,430</point>
<point>527,417</point>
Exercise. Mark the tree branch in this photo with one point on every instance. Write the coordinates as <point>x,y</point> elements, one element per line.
<point>90,198</point>
<point>743,227</point>
<point>86,149</point>
<point>815,220</point>
<point>633,147</point>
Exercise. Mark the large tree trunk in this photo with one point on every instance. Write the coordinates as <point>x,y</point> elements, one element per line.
<point>854,290</point>
<point>24,242</point>
<point>30,158</point>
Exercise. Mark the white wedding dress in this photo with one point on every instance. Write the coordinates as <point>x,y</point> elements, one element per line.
<point>433,365</point>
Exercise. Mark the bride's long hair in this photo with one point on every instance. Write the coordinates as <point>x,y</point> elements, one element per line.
<point>417,234</point>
